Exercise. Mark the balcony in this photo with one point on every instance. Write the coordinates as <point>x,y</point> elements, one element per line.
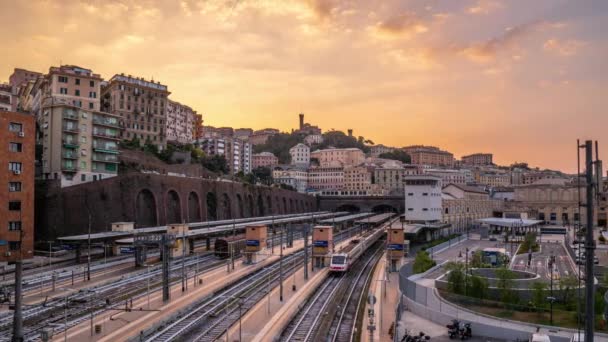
<point>70,116</point>
<point>71,129</point>
<point>69,167</point>
<point>105,158</point>
<point>69,154</point>
<point>105,148</point>
<point>70,143</point>
<point>105,135</point>
<point>105,121</point>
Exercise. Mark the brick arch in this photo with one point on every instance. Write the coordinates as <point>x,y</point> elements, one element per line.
<point>240,209</point>
<point>250,206</point>
<point>260,206</point>
<point>194,207</point>
<point>285,205</point>
<point>146,209</point>
<point>173,207</point>
<point>268,205</point>
<point>291,206</point>
<point>211,204</point>
<point>226,209</point>
<point>277,206</point>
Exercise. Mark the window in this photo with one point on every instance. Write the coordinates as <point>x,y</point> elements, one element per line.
<point>77,103</point>
<point>410,209</point>
<point>14,147</point>
<point>63,79</point>
<point>83,139</point>
<point>77,92</point>
<point>83,178</point>
<point>92,83</point>
<point>14,225</point>
<point>14,245</point>
<point>425,209</point>
<point>84,115</point>
<point>91,105</point>
<point>63,91</point>
<point>410,194</point>
<point>77,80</point>
<point>425,194</point>
<point>14,186</point>
<point>83,165</point>
<point>14,205</point>
<point>15,127</point>
<point>93,94</point>
<point>14,166</point>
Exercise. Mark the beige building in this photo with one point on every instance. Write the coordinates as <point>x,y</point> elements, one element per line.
<point>493,179</point>
<point>358,178</point>
<point>478,159</point>
<point>141,106</point>
<point>18,79</point>
<point>377,150</point>
<point>294,177</point>
<point>390,177</point>
<point>462,205</point>
<point>180,123</point>
<point>326,178</point>
<point>313,139</point>
<point>338,156</point>
<point>261,136</point>
<point>429,155</point>
<point>7,100</point>
<point>448,176</point>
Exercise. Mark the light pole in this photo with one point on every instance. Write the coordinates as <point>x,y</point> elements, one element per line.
<point>466,269</point>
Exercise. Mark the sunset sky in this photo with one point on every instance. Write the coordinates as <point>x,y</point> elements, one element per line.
<point>519,78</point>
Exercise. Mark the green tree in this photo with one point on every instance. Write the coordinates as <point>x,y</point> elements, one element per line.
<point>539,295</point>
<point>338,139</point>
<point>476,260</point>
<point>423,262</point>
<point>505,285</point>
<point>397,154</point>
<point>479,287</point>
<point>215,163</point>
<point>456,277</point>
<point>279,145</point>
<point>567,286</point>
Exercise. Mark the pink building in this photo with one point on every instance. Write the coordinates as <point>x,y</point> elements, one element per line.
<point>338,156</point>
<point>181,121</point>
<point>264,159</point>
<point>326,178</point>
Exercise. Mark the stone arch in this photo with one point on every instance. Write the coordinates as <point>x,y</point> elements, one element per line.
<point>291,206</point>
<point>211,206</point>
<point>194,207</point>
<point>261,208</point>
<point>284,205</point>
<point>277,209</point>
<point>174,207</point>
<point>145,209</point>
<point>349,207</point>
<point>239,202</point>
<point>269,204</point>
<point>250,206</point>
<point>226,212</point>
<point>384,208</point>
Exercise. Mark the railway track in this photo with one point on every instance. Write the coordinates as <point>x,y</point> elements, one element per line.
<point>211,317</point>
<point>332,312</point>
<point>97,299</point>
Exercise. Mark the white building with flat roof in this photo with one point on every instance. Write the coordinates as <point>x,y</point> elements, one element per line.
<point>300,155</point>
<point>422,198</point>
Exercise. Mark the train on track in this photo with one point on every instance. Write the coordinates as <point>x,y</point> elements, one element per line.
<point>343,259</point>
<point>233,244</point>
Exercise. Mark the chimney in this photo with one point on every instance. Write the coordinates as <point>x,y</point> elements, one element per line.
<point>350,132</point>
<point>301,120</point>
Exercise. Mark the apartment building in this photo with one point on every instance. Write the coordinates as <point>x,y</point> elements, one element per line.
<point>18,79</point>
<point>326,178</point>
<point>180,123</point>
<point>493,179</point>
<point>422,198</point>
<point>377,150</point>
<point>17,153</point>
<point>313,139</point>
<point>243,133</point>
<point>215,132</point>
<point>7,98</point>
<point>462,205</point>
<point>264,159</point>
<point>295,177</point>
<point>431,156</point>
<point>238,152</point>
<point>141,106</point>
<point>477,159</point>
<point>390,177</point>
<point>338,156</point>
<point>358,178</point>
<point>261,136</point>
<point>300,155</point>
<point>448,176</point>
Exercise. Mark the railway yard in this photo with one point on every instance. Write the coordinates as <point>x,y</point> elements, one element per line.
<point>213,293</point>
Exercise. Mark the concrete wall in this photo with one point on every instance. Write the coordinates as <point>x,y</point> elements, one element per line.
<point>151,200</point>
<point>362,203</point>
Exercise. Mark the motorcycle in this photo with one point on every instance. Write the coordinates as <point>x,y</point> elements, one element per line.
<point>421,337</point>
<point>465,331</point>
<point>453,329</point>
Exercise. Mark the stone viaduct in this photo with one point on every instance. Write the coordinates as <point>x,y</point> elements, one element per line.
<point>153,200</point>
<point>362,203</point>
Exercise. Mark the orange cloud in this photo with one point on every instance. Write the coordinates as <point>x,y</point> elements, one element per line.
<point>563,47</point>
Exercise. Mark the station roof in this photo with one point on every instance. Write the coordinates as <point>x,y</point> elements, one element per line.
<point>196,228</point>
<point>376,218</point>
<point>345,218</point>
<point>509,222</point>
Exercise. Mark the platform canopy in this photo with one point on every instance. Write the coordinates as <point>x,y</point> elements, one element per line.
<point>509,222</point>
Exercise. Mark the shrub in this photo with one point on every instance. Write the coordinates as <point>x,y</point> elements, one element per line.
<point>423,262</point>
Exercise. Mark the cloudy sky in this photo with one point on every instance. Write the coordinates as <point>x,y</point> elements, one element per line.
<point>520,78</point>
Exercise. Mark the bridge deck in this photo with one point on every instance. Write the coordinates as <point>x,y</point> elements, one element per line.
<point>212,226</point>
